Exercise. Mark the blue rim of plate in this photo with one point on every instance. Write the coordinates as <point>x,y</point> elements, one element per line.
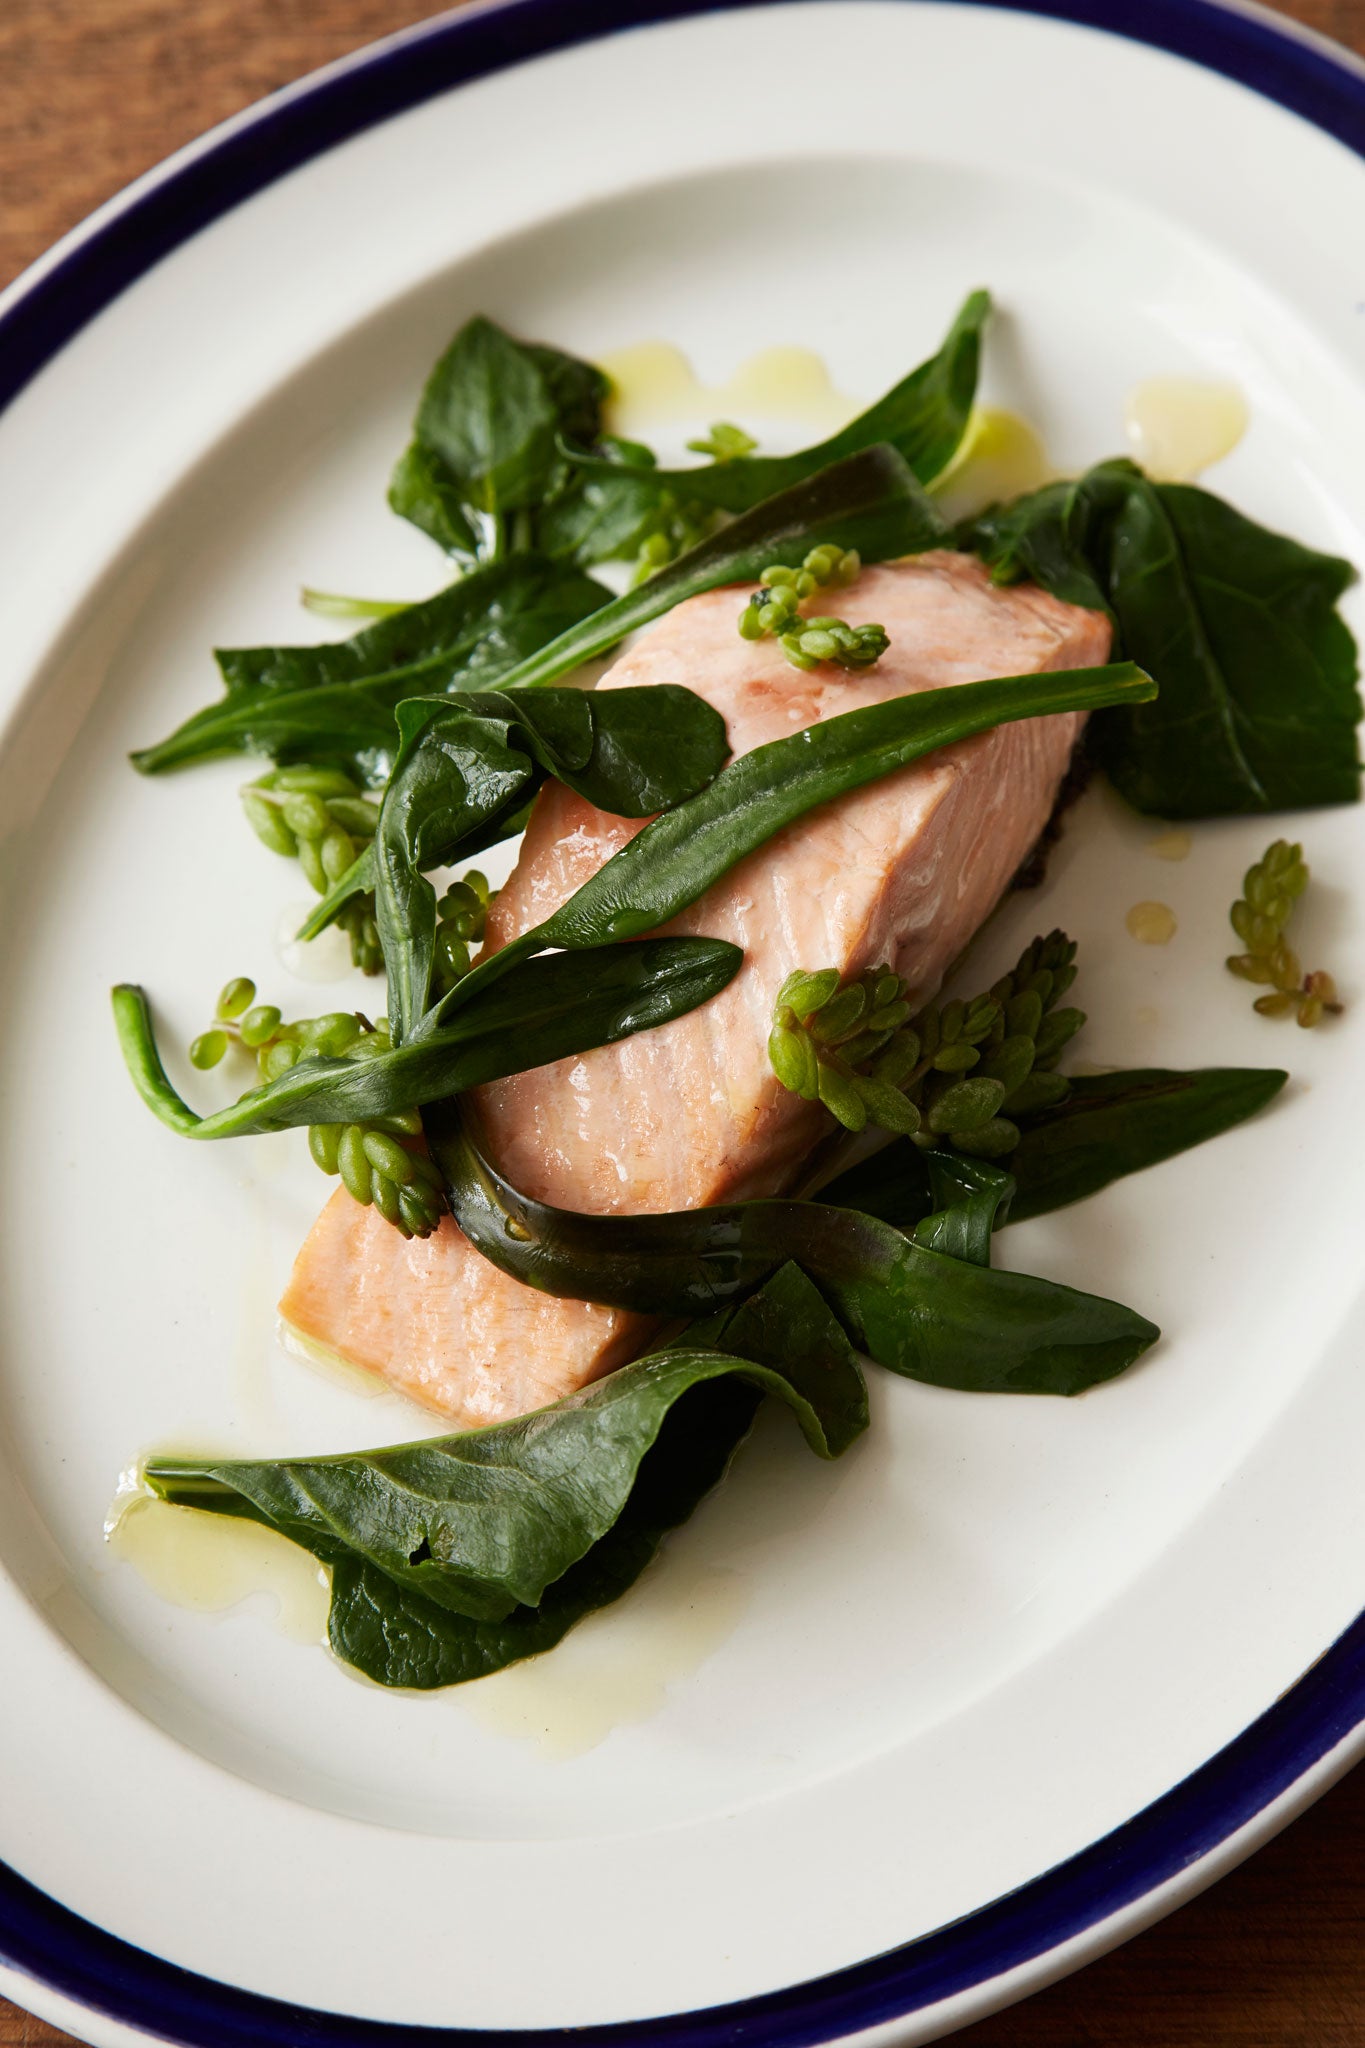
<point>40,1939</point>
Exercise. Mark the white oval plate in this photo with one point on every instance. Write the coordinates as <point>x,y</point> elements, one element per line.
<point>1010,1665</point>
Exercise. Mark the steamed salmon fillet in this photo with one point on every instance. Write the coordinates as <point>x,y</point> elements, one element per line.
<point>690,1114</point>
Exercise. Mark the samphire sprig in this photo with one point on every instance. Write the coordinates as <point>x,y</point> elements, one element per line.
<point>375,1166</point>
<point>1270,889</point>
<point>725,442</point>
<point>959,1074</point>
<point>775,611</point>
<point>322,819</point>
<point>461,920</point>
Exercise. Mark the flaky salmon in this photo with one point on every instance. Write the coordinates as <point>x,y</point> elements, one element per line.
<point>905,870</point>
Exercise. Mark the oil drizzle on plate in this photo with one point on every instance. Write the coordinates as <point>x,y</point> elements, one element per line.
<point>326,958</point>
<point>211,1563</point>
<point>1001,456</point>
<point>653,380</point>
<point>1172,845</point>
<point>1179,426</point>
<point>1151,924</point>
<point>615,1668</point>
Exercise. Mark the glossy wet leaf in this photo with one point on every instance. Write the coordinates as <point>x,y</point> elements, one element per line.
<point>923,418</point>
<point>547,1010</point>
<point>1109,1125</point>
<point>335,702</point>
<point>1115,1124</point>
<point>1258,703</point>
<point>917,1311</point>
<point>455,1556</point>
<point>466,769</point>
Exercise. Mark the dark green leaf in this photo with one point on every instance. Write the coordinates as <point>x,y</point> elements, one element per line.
<point>423,491</point>
<point>485,440</point>
<point>607,511</point>
<point>548,1010</point>
<point>1115,1124</point>
<point>923,418</point>
<point>929,1316</point>
<point>970,1198</point>
<point>1108,1126</point>
<point>336,702</point>
<point>464,764</point>
<point>455,1556</point>
<point>1258,706</point>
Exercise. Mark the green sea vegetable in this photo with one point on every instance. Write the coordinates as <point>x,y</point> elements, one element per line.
<point>918,1311</point>
<point>1258,702</point>
<point>455,1556</point>
<point>548,1010</point>
<point>485,457</point>
<point>335,703</point>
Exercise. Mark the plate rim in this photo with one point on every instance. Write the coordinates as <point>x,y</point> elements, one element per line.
<point>1200,1826</point>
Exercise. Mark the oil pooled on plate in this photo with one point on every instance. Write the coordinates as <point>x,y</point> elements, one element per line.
<point>653,380</point>
<point>1180,426</point>
<point>614,1670</point>
<point>1151,924</point>
<point>212,1563</point>
<point>1001,457</point>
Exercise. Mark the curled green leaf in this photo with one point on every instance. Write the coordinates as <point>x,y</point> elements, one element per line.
<point>914,1310</point>
<point>455,1556</point>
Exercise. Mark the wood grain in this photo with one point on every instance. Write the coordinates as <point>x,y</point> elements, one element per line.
<point>93,92</point>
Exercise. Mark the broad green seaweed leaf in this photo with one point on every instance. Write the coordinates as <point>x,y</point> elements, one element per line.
<point>484,457</point>
<point>548,1010</point>
<point>917,1311</point>
<point>1115,1124</point>
<point>335,702</point>
<point>1258,703</point>
<point>1108,1126</point>
<point>455,1556</point>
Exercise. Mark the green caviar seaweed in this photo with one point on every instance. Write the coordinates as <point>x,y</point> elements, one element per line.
<point>323,819</point>
<point>958,1075</point>
<point>774,611</point>
<point>725,443</point>
<point>379,1171</point>
<point>375,1166</point>
<point>1270,889</point>
<point>461,921</point>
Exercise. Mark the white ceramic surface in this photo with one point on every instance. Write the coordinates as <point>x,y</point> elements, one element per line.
<point>998,1628</point>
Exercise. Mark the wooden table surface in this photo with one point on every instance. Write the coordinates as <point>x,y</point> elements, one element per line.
<point>91,93</point>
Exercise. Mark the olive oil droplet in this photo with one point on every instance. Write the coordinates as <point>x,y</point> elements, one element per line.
<point>653,381</point>
<point>1151,924</point>
<point>1179,426</point>
<point>1001,456</point>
